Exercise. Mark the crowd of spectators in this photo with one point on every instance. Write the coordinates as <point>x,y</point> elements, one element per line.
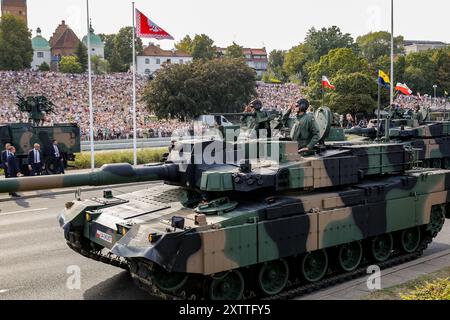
<point>278,96</point>
<point>111,98</point>
<point>410,102</point>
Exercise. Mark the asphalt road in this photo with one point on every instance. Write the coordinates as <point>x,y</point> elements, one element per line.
<point>34,258</point>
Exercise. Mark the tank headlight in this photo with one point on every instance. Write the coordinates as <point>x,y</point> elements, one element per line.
<point>88,217</point>
<point>124,231</point>
<point>153,237</point>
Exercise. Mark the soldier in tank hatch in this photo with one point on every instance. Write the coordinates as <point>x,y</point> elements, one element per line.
<point>305,130</point>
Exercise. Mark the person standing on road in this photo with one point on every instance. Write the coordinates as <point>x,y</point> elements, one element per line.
<point>4,159</point>
<point>13,168</point>
<point>35,164</point>
<point>57,158</point>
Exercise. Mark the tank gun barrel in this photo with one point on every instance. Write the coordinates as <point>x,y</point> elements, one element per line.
<point>109,174</point>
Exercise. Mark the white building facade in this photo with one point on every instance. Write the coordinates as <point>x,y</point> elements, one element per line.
<point>97,45</point>
<point>153,58</point>
<point>41,51</point>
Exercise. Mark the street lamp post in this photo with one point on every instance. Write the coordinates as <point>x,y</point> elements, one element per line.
<point>435,87</point>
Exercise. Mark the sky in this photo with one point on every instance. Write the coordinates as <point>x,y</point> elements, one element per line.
<point>274,24</point>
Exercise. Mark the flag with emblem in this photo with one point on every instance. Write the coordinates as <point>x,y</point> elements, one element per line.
<point>146,28</point>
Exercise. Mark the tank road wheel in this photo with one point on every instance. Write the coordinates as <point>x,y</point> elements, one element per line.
<point>169,282</point>
<point>350,256</point>
<point>437,220</point>
<point>382,246</point>
<point>446,163</point>
<point>273,276</point>
<point>227,286</point>
<point>437,163</point>
<point>314,265</point>
<point>410,239</point>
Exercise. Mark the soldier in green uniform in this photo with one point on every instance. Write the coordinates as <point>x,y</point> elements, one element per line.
<point>305,129</point>
<point>256,119</point>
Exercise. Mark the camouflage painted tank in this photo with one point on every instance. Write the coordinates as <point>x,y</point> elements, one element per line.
<point>253,218</point>
<point>419,129</point>
<point>24,135</point>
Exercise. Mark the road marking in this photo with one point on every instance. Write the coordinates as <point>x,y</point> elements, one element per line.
<point>21,211</point>
<point>4,290</point>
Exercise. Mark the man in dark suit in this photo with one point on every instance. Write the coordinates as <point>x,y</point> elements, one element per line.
<point>57,158</point>
<point>4,159</point>
<point>13,168</point>
<point>35,164</point>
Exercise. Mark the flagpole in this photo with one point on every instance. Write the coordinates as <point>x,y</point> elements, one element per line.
<point>379,107</point>
<point>392,52</point>
<point>91,108</point>
<point>134,89</point>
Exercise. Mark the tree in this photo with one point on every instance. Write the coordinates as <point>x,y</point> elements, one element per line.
<point>441,59</point>
<point>184,91</point>
<point>99,65</point>
<point>16,51</point>
<point>235,51</point>
<point>326,39</point>
<point>420,72</point>
<point>44,67</point>
<point>70,64</point>
<point>275,65</point>
<point>203,47</point>
<point>185,45</point>
<point>82,55</point>
<point>356,87</point>
<point>296,62</point>
<point>108,40</point>
<point>378,44</point>
<point>122,55</point>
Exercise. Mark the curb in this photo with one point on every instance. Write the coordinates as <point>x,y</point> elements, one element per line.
<point>72,190</point>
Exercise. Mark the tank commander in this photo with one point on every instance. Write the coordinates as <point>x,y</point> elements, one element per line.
<point>257,119</point>
<point>305,130</point>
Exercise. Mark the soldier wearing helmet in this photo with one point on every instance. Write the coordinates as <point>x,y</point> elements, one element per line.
<point>257,119</point>
<point>305,130</point>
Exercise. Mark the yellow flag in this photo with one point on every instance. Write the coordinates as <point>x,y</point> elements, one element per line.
<point>384,77</point>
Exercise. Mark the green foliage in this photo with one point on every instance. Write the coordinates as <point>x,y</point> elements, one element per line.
<point>185,45</point>
<point>122,54</point>
<point>235,51</point>
<point>108,40</point>
<point>153,155</point>
<point>203,47</point>
<point>375,45</point>
<point>297,60</point>
<point>82,55</point>
<point>436,290</point>
<point>99,65</point>
<point>420,71</point>
<point>44,67</point>
<point>275,65</point>
<point>204,86</point>
<point>326,39</point>
<point>16,52</point>
<point>356,87</point>
<point>70,64</point>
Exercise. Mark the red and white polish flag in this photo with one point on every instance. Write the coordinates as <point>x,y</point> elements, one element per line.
<point>326,83</point>
<point>403,88</point>
<point>146,28</point>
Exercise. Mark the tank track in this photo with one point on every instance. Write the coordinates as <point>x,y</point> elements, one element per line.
<point>293,289</point>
